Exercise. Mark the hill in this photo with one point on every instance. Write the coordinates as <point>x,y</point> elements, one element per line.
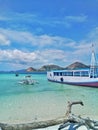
<point>50,67</point>
<point>31,69</point>
<point>77,65</point>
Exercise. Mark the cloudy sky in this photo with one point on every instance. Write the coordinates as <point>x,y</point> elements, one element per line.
<point>40,32</point>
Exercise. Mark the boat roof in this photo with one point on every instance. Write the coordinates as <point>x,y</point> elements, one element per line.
<point>71,70</point>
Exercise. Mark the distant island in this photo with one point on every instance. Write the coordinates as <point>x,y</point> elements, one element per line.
<point>45,68</point>
<point>75,65</point>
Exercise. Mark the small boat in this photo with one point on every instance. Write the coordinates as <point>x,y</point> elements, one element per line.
<point>16,74</point>
<point>27,80</point>
<point>80,77</point>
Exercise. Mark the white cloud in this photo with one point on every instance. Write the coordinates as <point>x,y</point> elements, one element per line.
<point>45,40</point>
<point>3,40</point>
<point>50,49</point>
<point>35,59</point>
<point>81,18</point>
<point>16,36</point>
<point>17,56</point>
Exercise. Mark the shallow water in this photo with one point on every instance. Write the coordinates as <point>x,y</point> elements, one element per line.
<point>42,101</point>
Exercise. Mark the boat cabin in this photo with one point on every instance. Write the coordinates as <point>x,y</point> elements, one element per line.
<point>75,73</point>
<point>72,73</point>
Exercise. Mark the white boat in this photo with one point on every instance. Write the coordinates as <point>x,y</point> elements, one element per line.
<point>27,80</point>
<point>80,77</point>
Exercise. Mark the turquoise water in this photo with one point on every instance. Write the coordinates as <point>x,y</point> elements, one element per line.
<point>42,101</point>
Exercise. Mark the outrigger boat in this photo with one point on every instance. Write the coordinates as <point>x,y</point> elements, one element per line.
<point>27,80</point>
<point>80,77</point>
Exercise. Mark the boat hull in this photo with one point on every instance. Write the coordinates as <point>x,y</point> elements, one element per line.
<point>84,84</point>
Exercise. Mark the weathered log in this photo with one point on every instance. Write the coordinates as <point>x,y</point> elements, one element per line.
<point>34,125</point>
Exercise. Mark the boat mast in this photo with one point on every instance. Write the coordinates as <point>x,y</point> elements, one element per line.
<point>93,67</point>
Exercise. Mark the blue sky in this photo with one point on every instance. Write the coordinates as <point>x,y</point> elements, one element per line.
<point>34,33</point>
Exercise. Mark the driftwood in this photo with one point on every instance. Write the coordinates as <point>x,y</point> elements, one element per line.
<point>31,126</point>
<point>66,120</point>
<point>77,120</point>
<point>69,107</point>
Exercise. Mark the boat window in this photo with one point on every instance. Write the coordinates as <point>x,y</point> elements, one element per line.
<point>70,73</point>
<point>67,73</point>
<point>85,73</point>
<point>56,73</point>
<point>64,73</point>
<point>77,73</point>
<point>61,74</point>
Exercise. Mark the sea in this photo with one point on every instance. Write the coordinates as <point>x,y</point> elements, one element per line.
<point>42,101</point>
